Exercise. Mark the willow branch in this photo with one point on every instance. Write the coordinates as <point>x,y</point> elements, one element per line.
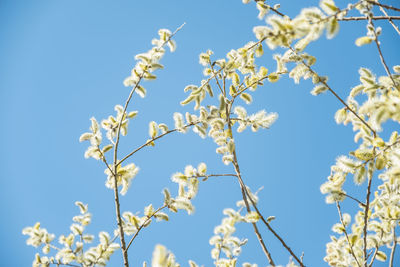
<point>366,211</point>
<point>337,96</point>
<point>393,247</point>
<point>383,5</point>
<point>375,252</point>
<point>373,18</point>
<point>144,224</point>
<point>205,177</point>
<point>243,188</point>
<point>377,154</point>
<point>103,158</point>
<point>216,78</point>
<point>259,237</point>
<point>65,264</point>
<point>116,194</point>
<point>373,256</point>
<point>246,195</point>
<point>395,27</point>
<point>340,11</point>
<point>273,231</point>
<point>102,251</point>
<point>381,56</point>
<point>148,142</point>
<point>353,198</point>
<point>345,232</point>
<point>272,9</point>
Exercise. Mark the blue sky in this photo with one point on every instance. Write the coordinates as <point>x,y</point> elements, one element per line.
<point>64,61</point>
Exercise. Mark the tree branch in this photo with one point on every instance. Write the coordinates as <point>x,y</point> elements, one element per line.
<point>377,154</point>
<point>366,211</point>
<point>272,8</point>
<point>345,232</point>
<point>355,199</point>
<point>385,6</point>
<point>393,247</point>
<point>373,18</point>
<point>381,55</point>
<point>246,195</point>
<point>154,139</point>
<point>396,28</point>
<point>116,195</point>
<point>336,95</point>
<point>145,223</point>
<point>243,188</point>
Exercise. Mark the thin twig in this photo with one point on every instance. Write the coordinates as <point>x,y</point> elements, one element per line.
<point>336,95</point>
<point>116,195</point>
<point>246,195</point>
<point>345,232</point>
<point>243,188</point>
<point>373,256</point>
<point>65,264</point>
<point>373,18</point>
<point>340,11</point>
<point>377,154</point>
<point>375,252</point>
<point>381,55</point>
<point>259,237</point>
<point>205,177</point>
<point>272,9</point>
<point>216,78</point>
<point>154,139</point>
<point>103,158</point>
<point>145,223</point>
<point>382,5</point>
<point>366,211</point>
<point>353,198</point>
<point>273,231</point>
<point>103,250</point>
<point>396,28</point>
<point>393,247</point>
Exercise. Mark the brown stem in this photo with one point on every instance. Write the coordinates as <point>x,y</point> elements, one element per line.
<point>243,188</point>
<point>381,55</point>
<point>373,256</point>
<point>375,252</point>
<point>273,231</point>
<point>246,195</point>
<point>102,251</point>
<point>145,223</point>
<point>377,154</point>
<point>66,264</point>
<point>151,140</point>
<point>366,211</point>
<point>373,18</point>
<point>353,198</point>
<point>116,194</point>
<point>103,158</point>
<point>345,232</point>
<point>382,5</point>
<point>259,237</point>
<point>336,95</point>
<point>396,28</point>
<point>393,247</point>
<point>273,9</point>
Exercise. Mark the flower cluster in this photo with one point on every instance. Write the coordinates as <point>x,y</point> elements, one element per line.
<point>73,244</point>
<point>225,242</point>
<point>124,176</point>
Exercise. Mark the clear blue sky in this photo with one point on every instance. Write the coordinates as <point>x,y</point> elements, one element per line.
<point>64,61</point>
